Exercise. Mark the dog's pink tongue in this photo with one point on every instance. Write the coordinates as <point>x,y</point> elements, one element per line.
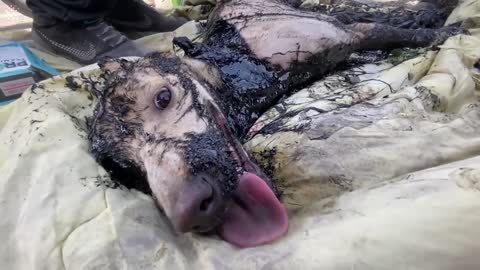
<point>256,216</point>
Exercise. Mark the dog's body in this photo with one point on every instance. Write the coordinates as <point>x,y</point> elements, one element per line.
<point>179,120</point>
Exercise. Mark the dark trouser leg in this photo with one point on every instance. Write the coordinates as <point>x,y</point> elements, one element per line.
<point>125,15</point>
<point>130,15</point>
<point>49,11</point>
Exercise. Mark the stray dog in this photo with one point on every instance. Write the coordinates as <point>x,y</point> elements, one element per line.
<point>178,122</point>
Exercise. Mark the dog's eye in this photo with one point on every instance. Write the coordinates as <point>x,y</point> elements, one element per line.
<point>162,98</point>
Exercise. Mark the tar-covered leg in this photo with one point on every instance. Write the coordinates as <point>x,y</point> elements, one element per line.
<point>379,36</point>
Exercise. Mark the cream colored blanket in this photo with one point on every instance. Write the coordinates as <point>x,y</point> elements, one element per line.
<point>379,165</point>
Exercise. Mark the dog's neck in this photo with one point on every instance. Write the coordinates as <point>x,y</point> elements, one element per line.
<point>245,87</point>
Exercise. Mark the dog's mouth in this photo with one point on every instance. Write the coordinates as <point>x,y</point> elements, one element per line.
<point>254,215</point>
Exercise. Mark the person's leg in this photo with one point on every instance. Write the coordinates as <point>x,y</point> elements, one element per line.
<point>75,29</point>
<point>136,19</point>
<point>71,11</point>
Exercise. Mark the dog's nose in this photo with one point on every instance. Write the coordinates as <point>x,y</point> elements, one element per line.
<point>199,206</point>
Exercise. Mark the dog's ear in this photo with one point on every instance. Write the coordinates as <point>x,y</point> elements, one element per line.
<point>115,68</point>
<point>203,71</point>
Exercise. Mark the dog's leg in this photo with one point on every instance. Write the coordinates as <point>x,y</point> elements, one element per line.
<point>379,36</point>
<point>398,13</point>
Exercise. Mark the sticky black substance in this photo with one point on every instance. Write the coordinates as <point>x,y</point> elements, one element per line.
<point>208,153</point>
<point>251,86</point>
<point>71,83</point>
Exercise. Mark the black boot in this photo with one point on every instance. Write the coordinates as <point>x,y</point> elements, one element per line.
<point>83,43</point>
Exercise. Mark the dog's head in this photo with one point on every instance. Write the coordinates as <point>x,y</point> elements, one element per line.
<point>160,114</point>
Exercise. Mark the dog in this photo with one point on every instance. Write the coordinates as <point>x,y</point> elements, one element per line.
<point>178,122</point>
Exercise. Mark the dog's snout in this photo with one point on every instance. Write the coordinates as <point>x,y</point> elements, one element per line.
<point>199,206</point>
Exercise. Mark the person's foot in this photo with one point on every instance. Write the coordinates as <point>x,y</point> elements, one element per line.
<point>84,44</point>
<point>136,19</point>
